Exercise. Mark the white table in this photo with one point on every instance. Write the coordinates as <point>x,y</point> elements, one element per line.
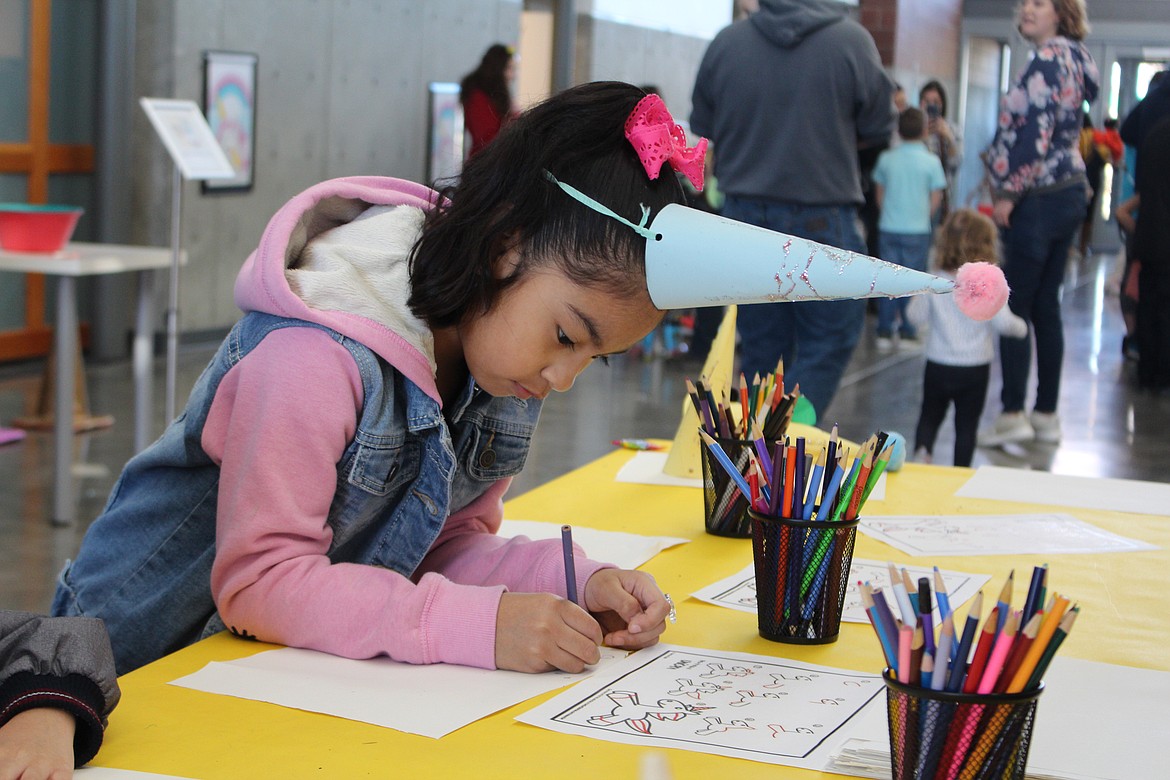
<point>85,259</point>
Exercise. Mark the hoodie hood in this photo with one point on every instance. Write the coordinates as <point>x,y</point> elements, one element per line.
<point>788,22</point>
<point>312,238</point>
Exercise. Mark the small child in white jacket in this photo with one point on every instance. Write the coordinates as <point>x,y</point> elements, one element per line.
<point>959,350</point>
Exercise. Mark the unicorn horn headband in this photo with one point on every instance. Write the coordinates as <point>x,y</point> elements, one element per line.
<point>694,258</point>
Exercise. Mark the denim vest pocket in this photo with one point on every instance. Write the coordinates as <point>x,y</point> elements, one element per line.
<point>382,465</point>
<point>492,451</point>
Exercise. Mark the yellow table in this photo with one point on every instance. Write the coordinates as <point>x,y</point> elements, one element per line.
<point>166,729</point>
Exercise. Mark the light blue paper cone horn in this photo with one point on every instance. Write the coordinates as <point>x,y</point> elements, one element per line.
<point>703,259</point>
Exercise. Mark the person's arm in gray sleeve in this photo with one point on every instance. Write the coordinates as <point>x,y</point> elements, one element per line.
<point>63,663</point>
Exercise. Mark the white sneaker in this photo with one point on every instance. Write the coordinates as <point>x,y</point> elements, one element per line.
<point>1047,427</point>
<point>1009,427</point>
<point>922,456</point>
<point>884,344</point>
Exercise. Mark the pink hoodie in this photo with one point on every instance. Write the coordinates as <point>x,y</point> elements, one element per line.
<point>280,422</point>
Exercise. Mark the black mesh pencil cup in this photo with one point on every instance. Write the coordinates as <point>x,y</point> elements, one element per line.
<point>968,736</point>
<point>724,504</point>
<point>802,571</point>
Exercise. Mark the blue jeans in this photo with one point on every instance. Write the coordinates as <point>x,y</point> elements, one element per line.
<point>910,250</point>
<point>815,338</point>
<point>1035,251</point>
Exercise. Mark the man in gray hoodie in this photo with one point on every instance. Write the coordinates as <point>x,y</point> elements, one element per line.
<point>787,97</point>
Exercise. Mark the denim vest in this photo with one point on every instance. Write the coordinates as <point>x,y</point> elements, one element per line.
<point>145,563</point>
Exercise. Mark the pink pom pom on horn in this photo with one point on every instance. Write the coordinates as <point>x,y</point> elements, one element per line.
<point>980,290</point>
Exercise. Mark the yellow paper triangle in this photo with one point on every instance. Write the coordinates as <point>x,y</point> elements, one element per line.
<point>684,460</point>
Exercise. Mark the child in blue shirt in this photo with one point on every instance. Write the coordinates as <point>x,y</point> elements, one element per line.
<point>909,182</point>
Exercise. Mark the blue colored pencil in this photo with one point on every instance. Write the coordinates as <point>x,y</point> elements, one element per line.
<point>1031,607</point>
<point>726,463</point>
<point>959,664</point>
<point>814,484</point>
<point>797,489</point>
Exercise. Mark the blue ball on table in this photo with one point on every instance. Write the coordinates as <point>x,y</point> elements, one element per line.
<point>897,444</point>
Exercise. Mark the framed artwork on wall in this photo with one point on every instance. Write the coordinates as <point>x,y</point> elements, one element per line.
<point>229,103</point>
<point>444,131</point>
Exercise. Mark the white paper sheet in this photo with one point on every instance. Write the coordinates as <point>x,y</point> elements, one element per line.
<point>1094,721</point>
<point>628,551</point>
<point>739,590</point>
<point>645,468</point>
<point>1031,487</point>
<point>109,773</point>
<point>1052,534</point>
<point>730,704</point>
<point>379,691</point>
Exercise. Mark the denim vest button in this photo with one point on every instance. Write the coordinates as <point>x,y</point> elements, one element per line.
<point>487,459</point>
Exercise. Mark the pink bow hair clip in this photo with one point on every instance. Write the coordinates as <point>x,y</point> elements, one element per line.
<point>657,139</point>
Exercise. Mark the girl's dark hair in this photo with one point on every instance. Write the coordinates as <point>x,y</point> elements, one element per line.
<point>935,86</point>
<point>488,78</point>
<point>504,199</point>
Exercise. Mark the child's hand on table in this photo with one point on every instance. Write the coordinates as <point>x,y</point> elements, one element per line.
<point>539,632</point>
<point>38,743</point>
<point>629,606</point>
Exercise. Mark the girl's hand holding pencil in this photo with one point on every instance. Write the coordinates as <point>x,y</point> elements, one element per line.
<point>540,632</point>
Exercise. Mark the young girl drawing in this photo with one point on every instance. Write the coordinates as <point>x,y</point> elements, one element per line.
<point>335,480</point>
<point>959,350</point>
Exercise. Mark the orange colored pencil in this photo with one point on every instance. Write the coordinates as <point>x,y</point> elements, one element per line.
<point>789,477</point>
<point>1047,628</point>
<point>862,476</point>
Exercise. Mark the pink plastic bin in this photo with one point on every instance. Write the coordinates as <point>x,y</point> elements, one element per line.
<point>26,227</point>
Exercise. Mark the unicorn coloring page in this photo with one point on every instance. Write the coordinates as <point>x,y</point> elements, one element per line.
<point>757,707</point>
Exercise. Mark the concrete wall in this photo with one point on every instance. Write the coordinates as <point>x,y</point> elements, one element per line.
<point>607,50</point>
<point>341,90</point>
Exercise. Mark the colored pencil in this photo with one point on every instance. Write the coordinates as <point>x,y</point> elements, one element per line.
<point>875,619</point>
<point>941,595</point>
<point>982,652</point>
<point>725,461</point>
<point>795,497</point>
<point>911,589</point>
<point>970,627</point>
<point>905,638</point>
<point>888,620</point>
<point>814,484</point>
<point>570,567</point>
<point>946,639</point>
<point>1005,600</point>
<point>902,597</point>
<point>1031,606</point>
<point>879,466</point>
<point>925,611</point>
<point>1062,630</point>
<point>917,648</point>
<point>1024,641</point>
<point>830,459</point>
<point>999,654</point>
<point>789,473</point>
<point>1047,628</point>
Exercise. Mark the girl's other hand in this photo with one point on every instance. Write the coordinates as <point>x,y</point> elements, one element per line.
<point>540,632</point>
<point>629,606</point>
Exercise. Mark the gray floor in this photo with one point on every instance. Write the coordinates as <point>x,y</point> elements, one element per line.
<point>1110,429</point>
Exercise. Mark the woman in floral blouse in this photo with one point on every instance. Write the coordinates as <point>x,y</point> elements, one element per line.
<point>1039,194</point>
